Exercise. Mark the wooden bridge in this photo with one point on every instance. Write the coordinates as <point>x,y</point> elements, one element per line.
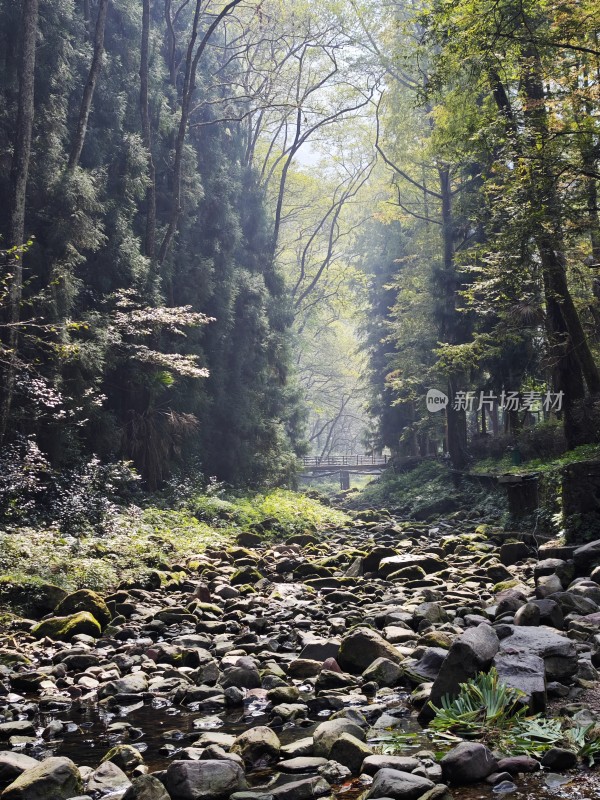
<point>353,463</point>
<point>344,466</point>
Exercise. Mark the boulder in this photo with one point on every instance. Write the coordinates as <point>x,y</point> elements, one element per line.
<point>317,649</point>
<point>468,762</point>
<point>361,647</point>
<point>258,747</point>
<point>84,600</point>
<point>528,615</point>
<point>204,780</point>
<point>469,655</point>
<point>384,672</point>
<point>557,759</point>
<point>125,756</point>
<point>306,789</point>
<point>14,764</point>
<point>526,672</point>
<point>550,613</point>
<point>558,652</point>
<point>391,783</point>
<point>587,557</point>
<point>518,764</point>
<point>373,764</point>
<point>427,668</point>
<point>350,751</point>
<point>146,787</point>
<point>571,602</point>
<point>108,778</point>
<point>51,779</point>
<point>547,585</point>
<point>17,727</point>
<point>428,562</point>
<point>513,552</point>
<point>65,628</point>
<point>327,733</point>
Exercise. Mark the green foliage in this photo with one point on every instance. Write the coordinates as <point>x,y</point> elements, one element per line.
<point>416,489</point>
<point>488,710</point>
<point>135,541</point>
<point>483,709</point>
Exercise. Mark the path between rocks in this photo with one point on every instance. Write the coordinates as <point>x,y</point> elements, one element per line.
<point>274,670</point>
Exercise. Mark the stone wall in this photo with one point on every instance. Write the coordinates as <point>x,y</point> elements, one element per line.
<point>580,483</point>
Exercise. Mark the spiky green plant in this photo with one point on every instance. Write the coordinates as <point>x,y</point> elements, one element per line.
<point>482,709</point>
<point>586,740</point>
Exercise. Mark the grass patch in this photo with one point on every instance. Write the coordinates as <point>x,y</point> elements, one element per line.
<point>420,490</point>
<point>139,540</point>
<point>584,452</point>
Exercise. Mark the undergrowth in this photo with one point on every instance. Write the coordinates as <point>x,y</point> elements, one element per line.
<point>136,540</point>
<point>430,488</point>
<point>489,711</point>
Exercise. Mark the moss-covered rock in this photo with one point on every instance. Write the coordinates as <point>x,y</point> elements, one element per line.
<point>504,585</point>
<point>303,539</point>
<point>207,608</point>
<point>125,756</point>
<point>85,600</point>
<point>51,779</point>
<point>65,628</point>
<point>245,575</point>
<point>310,570</point>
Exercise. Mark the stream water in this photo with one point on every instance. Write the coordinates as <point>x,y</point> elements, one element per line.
<point>159,730</point>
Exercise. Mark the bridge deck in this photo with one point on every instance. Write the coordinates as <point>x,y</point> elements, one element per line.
<point>316,462</point>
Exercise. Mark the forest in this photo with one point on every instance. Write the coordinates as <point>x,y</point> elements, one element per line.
<point>299,398</point>
<point>235,235</point>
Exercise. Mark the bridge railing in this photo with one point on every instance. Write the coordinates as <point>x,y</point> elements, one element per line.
<point>345,461</point>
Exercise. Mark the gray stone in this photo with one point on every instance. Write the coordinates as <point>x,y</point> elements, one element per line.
<point>558,652</point>
<point>518,764</point>
<point>547,585</point>
<point>427,668</point>
<point>334,772</point>
<point>14,764</point>
<point>55,778</point>
<point>361,647</point>
<point>570,602</point>
<point>302,790</point>
<point>528,615</point>
<point>373,764</point>
<point>384,672</point>
<point>559,759</point>
<point>301,764</point>
<point>146,787</point>
<point>320,649</point>
<point>468,762</point>
<point>469,655</point>
<point>349,751</point>
<point>16,728</point>
<point>327,733</point>
<point>391,783</point>
<point>258,746</point>
<point>550,613</point>
<point>525,672</point>
<point>513,552</point>
<point>587,557</point>
<point>106,779</point>
<point>204,780</point>
<point>428,562</point>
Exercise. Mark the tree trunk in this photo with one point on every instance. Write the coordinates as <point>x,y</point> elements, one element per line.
<point>18,193</point>
<point>456,419</point>
<point>150,235</point>
<point>90,87</point>
<point>549,236</point>
<point>189,84</point>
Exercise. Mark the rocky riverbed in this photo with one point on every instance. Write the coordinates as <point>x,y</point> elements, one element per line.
<point>283,670</point>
